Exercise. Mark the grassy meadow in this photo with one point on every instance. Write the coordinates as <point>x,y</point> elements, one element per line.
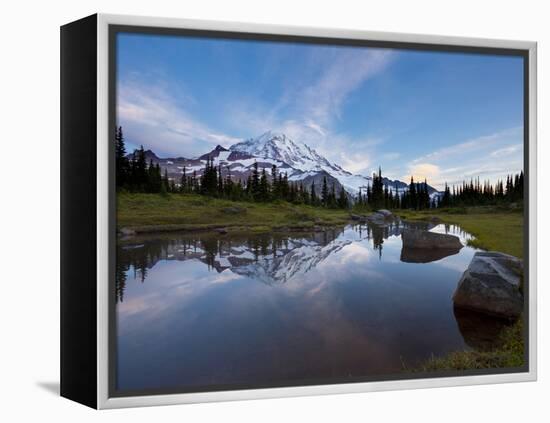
<point>172,212</point>
<point>494,229</point>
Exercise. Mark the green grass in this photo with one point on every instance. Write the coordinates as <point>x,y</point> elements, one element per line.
<point>155,212</point>
<point>508,353</point>
<point>494,229</point>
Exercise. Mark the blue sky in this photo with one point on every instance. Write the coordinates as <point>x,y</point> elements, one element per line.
<point>444,116</point>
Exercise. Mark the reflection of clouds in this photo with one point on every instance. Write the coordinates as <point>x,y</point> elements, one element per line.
<point>357,253</point>
<point>168,285</point>
<point>351,313</point>
<point>458,262</point>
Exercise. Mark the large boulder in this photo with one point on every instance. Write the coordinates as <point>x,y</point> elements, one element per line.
<point>429,240</point>
<point>492,285</point>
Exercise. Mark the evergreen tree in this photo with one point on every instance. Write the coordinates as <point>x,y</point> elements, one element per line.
<point>220,182</point>
<point>342,199</point>
<point>275,191</point>
<point>324,193</point>
<point>255,182</point>
<point>413,201</point>
<point>121,161</point>
<point>313,196</point>
<point>166,181</point>
<point>263,191</point>
<point>183,182</point>
<point>332,197</point>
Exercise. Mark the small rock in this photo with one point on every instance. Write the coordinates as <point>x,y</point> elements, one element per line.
<point>221,231</point>
<point>491,285</point>
<point>355,217</point>
<point>127,232</point>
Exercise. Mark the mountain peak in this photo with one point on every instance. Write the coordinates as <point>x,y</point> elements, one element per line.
<point>214,153</point>
<point>278,146</point>
<point>269,135</point>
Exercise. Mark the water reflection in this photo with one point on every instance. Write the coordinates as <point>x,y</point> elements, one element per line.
<point>208,309</point>
<point>272,258</point>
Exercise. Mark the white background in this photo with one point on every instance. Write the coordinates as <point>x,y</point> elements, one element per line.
<point>29,208</point>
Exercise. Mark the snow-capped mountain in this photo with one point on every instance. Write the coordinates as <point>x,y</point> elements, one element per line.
<point>304,160</point>
<point>278,146</point>
<point>301,163</point>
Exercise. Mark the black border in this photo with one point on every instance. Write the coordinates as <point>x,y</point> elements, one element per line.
<point>78,183</point>
<point>113,30</point>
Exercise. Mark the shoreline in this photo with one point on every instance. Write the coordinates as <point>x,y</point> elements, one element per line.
<point>494,228</point>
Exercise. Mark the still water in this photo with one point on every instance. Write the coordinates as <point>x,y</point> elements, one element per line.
<point>200,310</point>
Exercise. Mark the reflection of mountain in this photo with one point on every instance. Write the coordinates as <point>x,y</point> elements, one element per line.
<point>272,258</point>
<point>283,266</point>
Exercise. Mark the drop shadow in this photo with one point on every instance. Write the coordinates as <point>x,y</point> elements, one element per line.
<point>51,387</point>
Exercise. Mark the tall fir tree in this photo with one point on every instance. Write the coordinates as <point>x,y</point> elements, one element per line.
<point>324,193</point>
<point>121,161</point>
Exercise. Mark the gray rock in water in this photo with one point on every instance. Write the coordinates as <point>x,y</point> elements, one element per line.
<point>424,239</point>
<point>376,217</point>
<point>386,213</point>
<point>491,285</point>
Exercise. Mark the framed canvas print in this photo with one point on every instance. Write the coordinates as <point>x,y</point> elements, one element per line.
<point>254,211</point>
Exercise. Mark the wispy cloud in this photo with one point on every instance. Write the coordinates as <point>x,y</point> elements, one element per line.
<point>506,151</point>
<point>489,157</point>
<point>321,101</point>
<point>152,117</point>
<point>309,108</point>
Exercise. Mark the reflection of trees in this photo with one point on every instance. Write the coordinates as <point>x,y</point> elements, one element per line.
<point>120,279</point>
<point>248,253</point>
<point>145,252</point>
<point>378,233</point>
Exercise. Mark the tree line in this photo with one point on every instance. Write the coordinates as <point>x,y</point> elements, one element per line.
<point>477,193</point>
<point>134,174</point>
<point>381,194</point>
